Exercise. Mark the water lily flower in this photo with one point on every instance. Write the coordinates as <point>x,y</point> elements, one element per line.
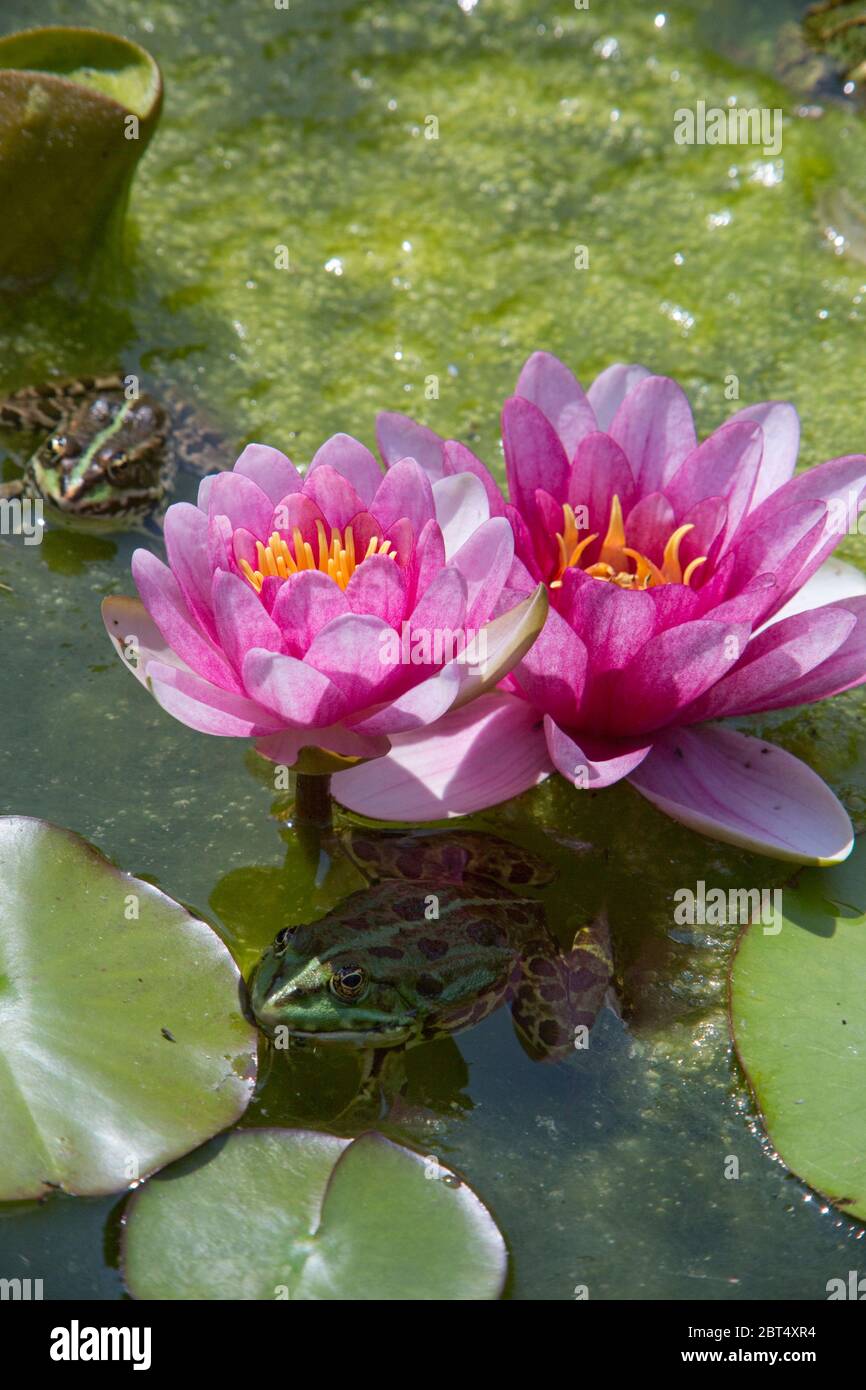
<point>688,582</point>
<point>277,616</point>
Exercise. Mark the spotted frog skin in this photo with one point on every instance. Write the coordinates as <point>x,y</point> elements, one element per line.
<point>103,456</point>
<point>383,971</point>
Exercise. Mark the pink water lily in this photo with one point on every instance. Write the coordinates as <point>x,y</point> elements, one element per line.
<point>687,582</point>
<point>278,614</point>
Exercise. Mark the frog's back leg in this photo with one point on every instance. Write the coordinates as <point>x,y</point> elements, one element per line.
<point>452,856</point>
<point>556,994</point>
<point>37,409</point>
<point>195,445</point>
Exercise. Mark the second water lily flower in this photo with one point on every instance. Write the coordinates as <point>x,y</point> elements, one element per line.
<point>688,582</point>
<point>323,614</point>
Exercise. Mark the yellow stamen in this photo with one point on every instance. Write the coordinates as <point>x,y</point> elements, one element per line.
<point>692,566</point>
<point>671,567</point>
<point>568,562</point>
<point>612,565</point>
<point>614,542</point>
<point>647,572</point>
<point>338,562</point>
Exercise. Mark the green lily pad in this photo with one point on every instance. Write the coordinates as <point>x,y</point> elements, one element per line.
<point>122,1041</point>
<point>798,1009</point>
<point>77,110</point>
<point>283,1213</point>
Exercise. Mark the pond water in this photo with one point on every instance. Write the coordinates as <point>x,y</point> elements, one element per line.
<point>411,258</point>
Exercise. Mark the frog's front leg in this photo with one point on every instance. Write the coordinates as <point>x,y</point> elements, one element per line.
<point>383,1076</point>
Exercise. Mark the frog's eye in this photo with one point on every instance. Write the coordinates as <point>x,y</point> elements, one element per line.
<point>348,983</point>
<point>281,940</point>
<point>114,466</point>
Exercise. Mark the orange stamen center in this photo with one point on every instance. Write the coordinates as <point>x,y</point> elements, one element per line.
<point>337,560</point>
<point>614,563</point>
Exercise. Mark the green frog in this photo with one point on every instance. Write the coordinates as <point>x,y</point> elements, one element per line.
<point>105,455</point>
<point>444,935</point>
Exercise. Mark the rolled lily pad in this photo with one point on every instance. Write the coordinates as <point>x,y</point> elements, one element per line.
<point>294,1214</point>
<point>122,1041</point>
<point>798,1010</point>
<point>77,109</point>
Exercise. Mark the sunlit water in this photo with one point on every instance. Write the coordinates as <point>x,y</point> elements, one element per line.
<point>418,265</point>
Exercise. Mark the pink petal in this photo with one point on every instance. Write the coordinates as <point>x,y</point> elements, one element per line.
<point>553,672</point>
<point>305,603</point>
<point>780,546</point>
<point>418,707</point>
<point>745,792</point>
<point>333,495</point>
<point>458,459</point>
<point>378,587</point>
<point>846,668</point>
<point>781,426</point>
<point>839,485</point>
<point>161,595</point>
<point>443,603</point>
<point>671,671</point>
<point>242,501</point>
<point>401,534</point>
<point>708,519</point>
<point>136,637</point>
<point>427,561</point>
<point>649,524</point>
<point>269,470</point>
<point>534,456</point>
<point>404,491</point>
<point>610,388</point>
<point>674,605</point>
<point>204,488</point>
<point>241,620</point>
<point>601,471</point>
<point>461,507</point>
<point>484,561</point>
<point>834,580</point>
<point>475,757</point>
<point>287,746</point>
<point>592,763</point>
<point>354,461</point>
<point>804,658</point>
<point>554,388</point>
<point>221,544</point>
<point>399,437</point>
<point>296,691</point>
<point>546,521</point>
<point>296,509</point>
<point>612,623</point>
<point>655,429</point>
<point>726,465</point>
<point>524,544</point>
<point>352,651</point>
<point>186,543</point>
<point>204,707</point>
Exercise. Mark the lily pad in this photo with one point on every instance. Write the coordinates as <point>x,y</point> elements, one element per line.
<point>295,1214</point>
<point>122,1041</point>
<point>77,110</point>
<point>798,1009</point>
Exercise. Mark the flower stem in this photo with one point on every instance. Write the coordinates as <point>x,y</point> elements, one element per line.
<point>312,802</point>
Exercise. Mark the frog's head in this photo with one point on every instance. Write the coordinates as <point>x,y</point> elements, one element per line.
<point>105,460</point>
<point>336,993</point>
